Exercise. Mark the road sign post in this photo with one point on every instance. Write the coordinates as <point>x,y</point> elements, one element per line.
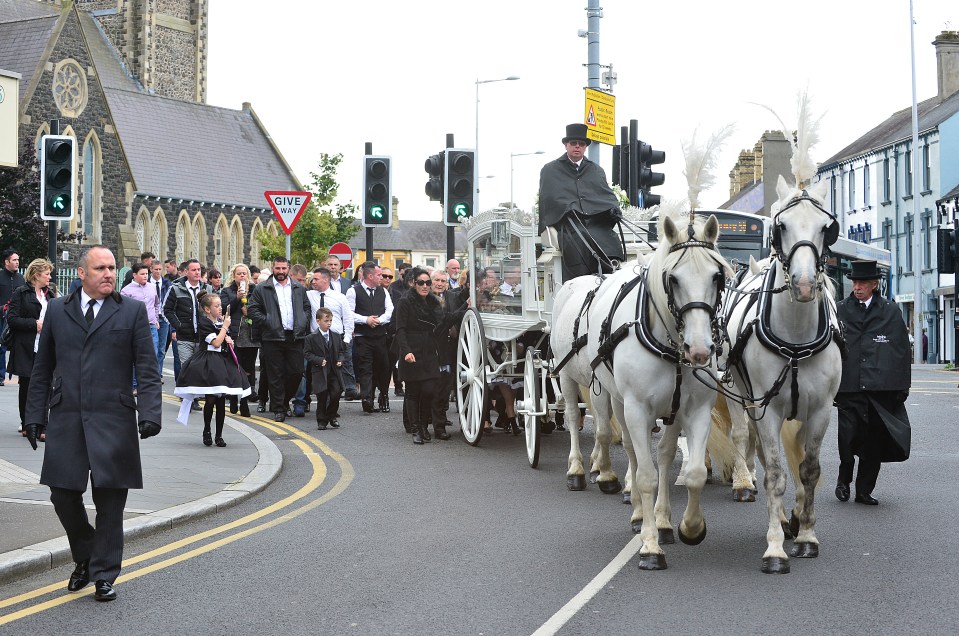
<point>288,208</point>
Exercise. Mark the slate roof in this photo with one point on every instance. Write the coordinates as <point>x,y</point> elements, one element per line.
<point>110,69</point>
<point>25,30</point>
<point>414,236</point>
<point>898,127</point>
<point>196,152</point>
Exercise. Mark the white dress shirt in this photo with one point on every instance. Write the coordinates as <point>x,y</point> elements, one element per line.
<point>284,298</point>
<point>336,303</point>
<point>360,320</point>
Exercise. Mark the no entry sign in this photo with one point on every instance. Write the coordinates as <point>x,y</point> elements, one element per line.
<point>288,207</point>
<point>343,252</point>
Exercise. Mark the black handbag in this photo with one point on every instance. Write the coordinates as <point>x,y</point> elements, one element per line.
<point>6,336</point>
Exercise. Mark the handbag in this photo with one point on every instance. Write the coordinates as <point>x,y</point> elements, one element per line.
<point>6,336</point>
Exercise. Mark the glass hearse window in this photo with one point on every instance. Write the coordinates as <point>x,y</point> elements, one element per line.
<point>496,270</point>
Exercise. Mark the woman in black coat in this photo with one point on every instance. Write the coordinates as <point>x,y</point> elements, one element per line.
<point>419,321</point>
<point>28,304</point>
<point>246,344</point>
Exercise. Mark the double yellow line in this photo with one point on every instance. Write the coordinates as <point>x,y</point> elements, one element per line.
<point>316,480</point>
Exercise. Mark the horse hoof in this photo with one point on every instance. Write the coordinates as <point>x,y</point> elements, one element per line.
<point>775,565</point>
<point>692,540</point>
<point>652,561</point>
<point>805,550</point>
<point>593,476</point>
<point>787,533</point>
<point>576,482</point>
<point>666,536</point>
<point>743,495</point>
<point>627,499</point>
<point>637,526</point>
<point>610,487</point>
<point>794,525</point>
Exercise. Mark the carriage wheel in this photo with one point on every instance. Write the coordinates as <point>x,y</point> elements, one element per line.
<point>471,376</point>
<point>533,404</point>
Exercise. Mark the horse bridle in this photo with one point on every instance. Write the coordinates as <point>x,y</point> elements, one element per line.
<point>830,234</point>
<point>713,310</point>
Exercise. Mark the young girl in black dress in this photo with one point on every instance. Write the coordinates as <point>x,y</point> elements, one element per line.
<point>213,370</point>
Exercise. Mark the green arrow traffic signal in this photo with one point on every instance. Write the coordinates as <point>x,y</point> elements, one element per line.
<point>461,210</point>
<point>376,211</point>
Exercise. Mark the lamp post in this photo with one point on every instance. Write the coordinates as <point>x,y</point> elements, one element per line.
<point>476,141</point>
<point>512,202</point>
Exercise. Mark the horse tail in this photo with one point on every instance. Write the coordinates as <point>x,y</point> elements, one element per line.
<point>722,451</point>
<point>794,447</point>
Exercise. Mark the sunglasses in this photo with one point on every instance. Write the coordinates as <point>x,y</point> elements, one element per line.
<point>576,142</point>
<point>388,276</point>
<point>422,282</point>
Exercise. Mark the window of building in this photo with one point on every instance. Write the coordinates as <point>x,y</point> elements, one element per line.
<point>908,240</point>
<point>92,184</point>
<point>198,239</point>
<point>866,187</point>
<point>887,234</point>
<point>182,237</point>
<point>833,199</point>
<point>926,169</point>
<point>886,181</point>
<point>142,229</point>
<point>255,242</point>
<point>927,239</point>
<point>907,189</point>
<point>158,234</point>
<point>851,188</point>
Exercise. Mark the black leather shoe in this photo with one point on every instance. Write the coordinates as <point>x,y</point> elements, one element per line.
<point>368,406</point>
<point>105,592</point>
<point>869,500</point>
<point>196,406</point>
<point>80,577</point>
<point>842,491</point>
<point>261,407</point>
<point>279,417</point>
<point>334,424</point>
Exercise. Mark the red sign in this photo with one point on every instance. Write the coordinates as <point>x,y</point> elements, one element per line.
<point>288,207</point>
<point>343,252</point>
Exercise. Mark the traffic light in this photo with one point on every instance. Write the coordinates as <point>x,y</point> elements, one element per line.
<point>377,191</point>
<point>58,177</point>
<point>436,166</point>
<point>647,178</point>
<point>459,198</point>
<point>946,251</point>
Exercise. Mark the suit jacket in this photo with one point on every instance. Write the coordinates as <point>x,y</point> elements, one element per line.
<point>263,308</point>
<point>315,350</point>
<point>23,315</point>
<point>93,414</point>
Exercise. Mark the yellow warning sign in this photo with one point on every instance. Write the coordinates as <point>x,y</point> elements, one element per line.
<point>600,116</point>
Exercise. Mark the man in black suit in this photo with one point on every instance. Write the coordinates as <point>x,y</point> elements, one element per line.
<point>94,339</point>
<point>280,309</point>
<point>372,309</point>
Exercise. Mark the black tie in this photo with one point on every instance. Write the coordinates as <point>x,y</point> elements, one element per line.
<point>158,288</point>
<point>193,291</point>
<point>371,294</point>
<point>89,315</point>
<point>322,299</point>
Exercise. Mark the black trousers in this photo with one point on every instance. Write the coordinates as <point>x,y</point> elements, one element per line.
<point>442,400</point>
<point>372,364</point>
<point>327,399</point>
<point>419,402</point>
<point>859,434</point>
<point>283,366</point>
<point>103,546</point>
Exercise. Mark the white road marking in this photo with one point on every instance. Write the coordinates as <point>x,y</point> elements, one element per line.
<point>560,618</point>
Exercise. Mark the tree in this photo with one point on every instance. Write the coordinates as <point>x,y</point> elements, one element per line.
<point>322,223</point>
<point>20,224</point>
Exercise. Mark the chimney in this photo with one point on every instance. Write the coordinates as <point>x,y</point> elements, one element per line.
<point>396,213</point>
<point>947,63</point>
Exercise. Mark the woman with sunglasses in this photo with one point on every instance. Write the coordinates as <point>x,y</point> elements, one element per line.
<point>419,321</point>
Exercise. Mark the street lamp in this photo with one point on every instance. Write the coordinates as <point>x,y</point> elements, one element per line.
<point>476,141</point>
<point>512,203</point>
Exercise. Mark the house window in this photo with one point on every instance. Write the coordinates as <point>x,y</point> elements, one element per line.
<point>908,171</point>
<point>926,169</point>
<point>887,234</point>
<point>908,232</point>
<point>832,195</point>
<point>852,189</point>
<point>886,180</point>
<point>927,239</point>
<point>92,180</point>
<point>866,187</point>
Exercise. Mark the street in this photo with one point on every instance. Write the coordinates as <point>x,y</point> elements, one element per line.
<point>364,533</point>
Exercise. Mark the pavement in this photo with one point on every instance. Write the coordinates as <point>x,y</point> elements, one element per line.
<point>182,480</point>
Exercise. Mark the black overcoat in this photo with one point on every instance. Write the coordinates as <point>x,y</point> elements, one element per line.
<point>877,342</point>
<point>23,316</point>
<point>562,187</point>
<point>92,429</point>
<point>419,323</point>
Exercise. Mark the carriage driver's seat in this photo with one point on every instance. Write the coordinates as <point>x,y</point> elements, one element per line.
<point>550,242</point>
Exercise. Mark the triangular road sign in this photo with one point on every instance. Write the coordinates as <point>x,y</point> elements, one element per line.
<point>288,207</point>
<point>591,116</point>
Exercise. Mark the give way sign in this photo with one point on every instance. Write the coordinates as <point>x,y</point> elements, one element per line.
<point>288,207</point>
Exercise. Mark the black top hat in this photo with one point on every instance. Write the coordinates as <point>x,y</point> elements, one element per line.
<point>576,131</point>
<point>864,270</point>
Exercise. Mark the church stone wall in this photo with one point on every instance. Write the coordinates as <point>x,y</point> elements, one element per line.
<point>174,73</point>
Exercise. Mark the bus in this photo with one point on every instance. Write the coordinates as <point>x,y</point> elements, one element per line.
<point>742,234</point>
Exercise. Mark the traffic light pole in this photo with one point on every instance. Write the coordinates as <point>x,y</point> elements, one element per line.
<point>368,150</point>
<point>450,235</point>
<point>52,225</point>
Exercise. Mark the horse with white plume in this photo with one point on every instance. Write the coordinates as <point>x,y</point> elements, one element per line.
<point>647,326</point>
<point>784,357</point>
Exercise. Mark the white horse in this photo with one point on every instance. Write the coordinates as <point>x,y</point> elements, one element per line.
<point>571,323</point>
<point>648,327</point>
<point>785,360</point>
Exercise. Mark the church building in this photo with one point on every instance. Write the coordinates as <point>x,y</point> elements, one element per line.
<point>159,169</point>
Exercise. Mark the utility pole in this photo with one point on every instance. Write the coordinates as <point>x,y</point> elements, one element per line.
<point>593,13</point>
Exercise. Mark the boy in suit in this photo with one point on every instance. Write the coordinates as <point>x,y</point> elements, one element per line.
<point>325,354</point>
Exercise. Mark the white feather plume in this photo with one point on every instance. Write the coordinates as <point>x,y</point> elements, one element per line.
<point>701,162</point>
<point>802,137</point>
